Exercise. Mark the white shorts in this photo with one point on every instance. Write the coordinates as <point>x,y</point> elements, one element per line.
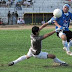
<point>61,33</point>
<point>41,55</point>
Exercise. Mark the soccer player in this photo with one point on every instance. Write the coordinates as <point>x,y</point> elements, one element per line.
<point>35,49</point>
<point>63,21</point>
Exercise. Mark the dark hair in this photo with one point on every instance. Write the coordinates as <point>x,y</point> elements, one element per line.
<point>35,29</point>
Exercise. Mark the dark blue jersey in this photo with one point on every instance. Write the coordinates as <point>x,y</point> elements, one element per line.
<point>63,21</point>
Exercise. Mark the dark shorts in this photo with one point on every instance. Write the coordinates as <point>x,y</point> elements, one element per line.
<point>68,35</point>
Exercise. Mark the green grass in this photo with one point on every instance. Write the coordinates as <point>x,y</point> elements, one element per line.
<point>15,43</point>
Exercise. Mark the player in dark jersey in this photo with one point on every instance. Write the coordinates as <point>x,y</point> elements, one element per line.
<point>35,49</point>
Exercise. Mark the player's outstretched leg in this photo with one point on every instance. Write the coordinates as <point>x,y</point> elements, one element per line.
<point>18,60</point>
<point>64,42</point>
<point>70,44</point>
<point>66,47</point>
<point>62,63</point>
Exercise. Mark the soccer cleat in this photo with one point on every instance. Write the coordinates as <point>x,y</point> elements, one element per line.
<point>64,48</point>
<point>69,53</point>
<point>11,64</point>
<point>63,64</point>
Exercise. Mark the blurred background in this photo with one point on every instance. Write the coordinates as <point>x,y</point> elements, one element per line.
<point>35,12</point>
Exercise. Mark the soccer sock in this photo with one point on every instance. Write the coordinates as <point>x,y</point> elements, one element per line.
<point>66,45</point>
<point>20,59</point>
<point>58,60</point>
<point>70,43</point>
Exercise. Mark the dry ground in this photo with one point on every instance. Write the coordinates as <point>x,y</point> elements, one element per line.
<point>19,27</point>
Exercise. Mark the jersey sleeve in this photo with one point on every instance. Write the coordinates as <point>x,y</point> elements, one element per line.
<point>52,20</point>
<point>71,15</point>
<point>39,38</point>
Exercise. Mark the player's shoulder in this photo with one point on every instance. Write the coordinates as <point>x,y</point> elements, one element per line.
<point>54,18</point>
<point>32,37</point>
<point>70,13</point>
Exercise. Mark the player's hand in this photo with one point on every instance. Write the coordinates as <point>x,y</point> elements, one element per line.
<point>58,29</point>
<point>61,28</point>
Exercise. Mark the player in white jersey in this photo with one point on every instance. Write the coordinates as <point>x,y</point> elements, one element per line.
<point>35,49</point>
<point>61,22</point>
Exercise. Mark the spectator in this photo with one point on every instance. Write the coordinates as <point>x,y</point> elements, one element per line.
<point>4,2</point>
<point>13,18</point>
<point>22,21</point>
<point>16,15</point>
<point>42,22</point>
<point>26,3</point>
<point>12,2</point>
<point>18,21</point>
<point>9,18</point>
<point>30,1</point>
<point>8,3</point>
<point>1,21</point>
<point>18,6</point>
<point>0,2</point>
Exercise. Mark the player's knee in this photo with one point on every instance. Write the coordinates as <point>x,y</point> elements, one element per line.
<point>51,56</point>
<point>27,56</point>
<point>63,37</point>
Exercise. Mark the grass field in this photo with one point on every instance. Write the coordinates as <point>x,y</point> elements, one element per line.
<point>15,43</point>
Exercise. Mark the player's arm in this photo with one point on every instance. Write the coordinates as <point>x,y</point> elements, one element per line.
<point>49,34</point>
<point>42,26</point>
<point>55,22</point>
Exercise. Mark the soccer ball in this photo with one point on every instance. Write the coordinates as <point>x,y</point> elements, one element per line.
<point>57,13</point>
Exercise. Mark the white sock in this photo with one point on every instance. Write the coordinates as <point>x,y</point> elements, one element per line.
<point>58,60</point>
<point>70,43</point>
<point>66,45</point>
<point>20,59</point>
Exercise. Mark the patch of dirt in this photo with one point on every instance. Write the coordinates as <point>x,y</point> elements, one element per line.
<point>20,27</point>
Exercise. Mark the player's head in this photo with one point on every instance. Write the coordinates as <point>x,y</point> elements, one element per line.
<point>66,8</point>
<point>35,30</point>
